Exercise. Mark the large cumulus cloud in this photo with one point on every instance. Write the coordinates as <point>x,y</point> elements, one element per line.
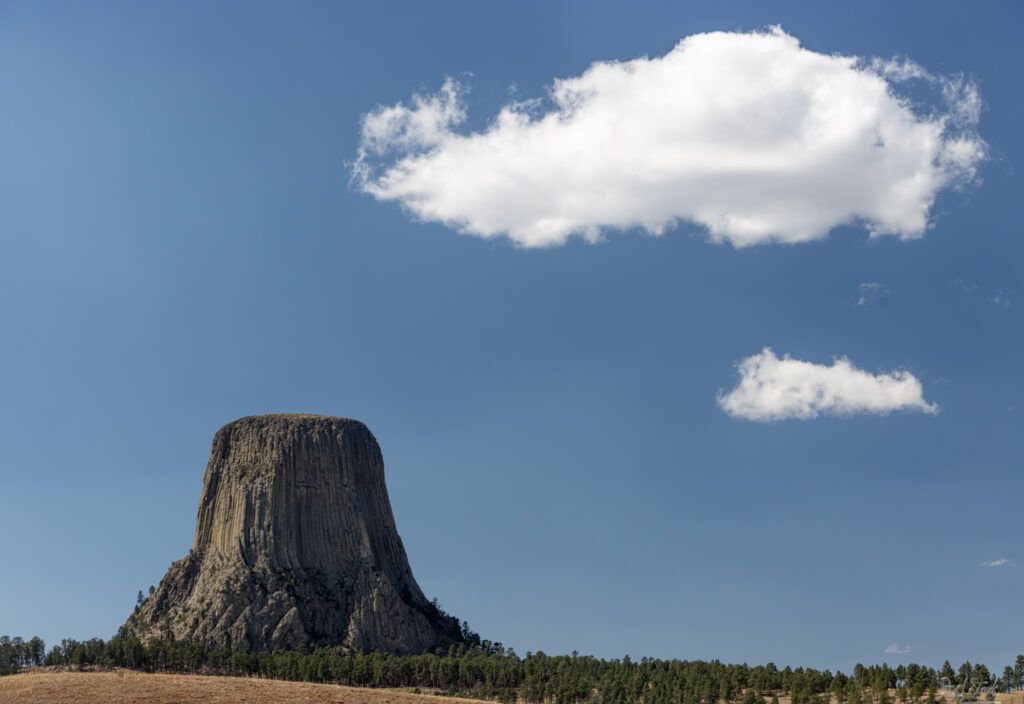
<point>747,134</point>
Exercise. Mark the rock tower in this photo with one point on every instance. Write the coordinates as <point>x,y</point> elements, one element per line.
<point>295,545</point>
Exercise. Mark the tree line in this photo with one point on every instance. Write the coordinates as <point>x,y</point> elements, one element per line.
<point>488,670</point>
<point>16,653</point>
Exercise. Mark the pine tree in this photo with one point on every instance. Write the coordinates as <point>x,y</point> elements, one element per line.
<point>838,687</point>
<point>752,697</point>
<point>36,650</point>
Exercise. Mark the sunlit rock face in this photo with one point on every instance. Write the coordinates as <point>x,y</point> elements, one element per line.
<point>295,545</point>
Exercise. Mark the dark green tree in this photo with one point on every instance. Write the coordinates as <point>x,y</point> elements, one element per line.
<point>752,697</point>
<point>963,675</point>
<point>35,650</point>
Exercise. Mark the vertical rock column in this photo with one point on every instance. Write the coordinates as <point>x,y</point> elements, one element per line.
<point>295,544</point>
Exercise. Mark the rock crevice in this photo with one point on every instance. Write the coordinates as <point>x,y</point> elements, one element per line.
<point>295,545</point>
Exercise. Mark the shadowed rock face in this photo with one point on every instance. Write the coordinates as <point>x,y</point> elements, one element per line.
<point>295,544</point>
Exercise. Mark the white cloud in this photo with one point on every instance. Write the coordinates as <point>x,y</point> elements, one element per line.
<point>426,124</point>
<point>868,293</point>
<point>747,134</point>
<point>1001,562</point>
<point>900,70</point>
<point>897,649</point>
<point>776,389</point>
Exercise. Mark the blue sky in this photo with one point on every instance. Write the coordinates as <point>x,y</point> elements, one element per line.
<point>182,243</point>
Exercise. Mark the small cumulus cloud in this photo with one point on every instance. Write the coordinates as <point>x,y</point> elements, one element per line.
<point>772,389</point>
<point>1001,562</point>
<point>897,649</point>
<point>870,293</point>
<point>749,135</point>
<point>1001,299</point>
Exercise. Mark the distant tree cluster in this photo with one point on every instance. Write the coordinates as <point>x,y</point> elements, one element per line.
<point>488,670</point>
<point>16,653</point>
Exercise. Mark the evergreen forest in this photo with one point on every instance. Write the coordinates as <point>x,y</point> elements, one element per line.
<point>487,670</point>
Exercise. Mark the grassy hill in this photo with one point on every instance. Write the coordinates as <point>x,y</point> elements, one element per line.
<point>58,686</point>
<point>45,686</point>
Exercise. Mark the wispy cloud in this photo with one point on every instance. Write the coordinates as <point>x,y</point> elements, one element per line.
<point>897,649</point>
<point>964,286</point>
<point>869,293</point>
<point>1001,562</point>
<point>746,134</point>
<point>773,389</point>
<point>1001,297</point>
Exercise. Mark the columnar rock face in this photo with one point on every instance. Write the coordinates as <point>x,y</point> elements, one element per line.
<point>295,544</point>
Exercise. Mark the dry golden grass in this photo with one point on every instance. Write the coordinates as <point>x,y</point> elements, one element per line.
<point>48,687</point>
<point>140,688</point>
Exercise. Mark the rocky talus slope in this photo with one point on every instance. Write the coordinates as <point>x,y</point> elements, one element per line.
<point>295,544</point>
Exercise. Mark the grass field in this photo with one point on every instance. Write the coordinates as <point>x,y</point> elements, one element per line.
<point>44,687</point>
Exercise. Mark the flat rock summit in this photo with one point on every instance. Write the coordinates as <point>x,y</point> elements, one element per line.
<point>295,545</point>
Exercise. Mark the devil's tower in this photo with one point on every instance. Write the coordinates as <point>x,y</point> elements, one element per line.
<point>295,544</point>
